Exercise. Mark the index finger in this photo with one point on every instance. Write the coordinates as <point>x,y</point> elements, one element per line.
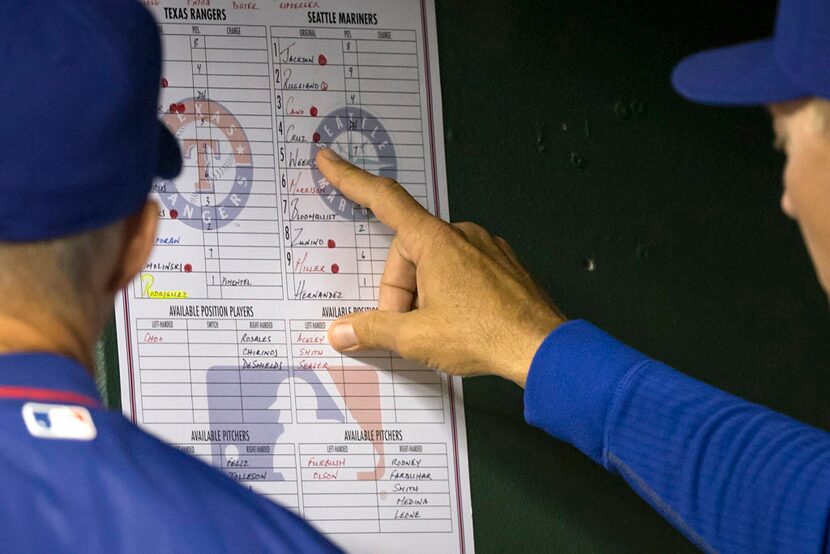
<point>388,200</point>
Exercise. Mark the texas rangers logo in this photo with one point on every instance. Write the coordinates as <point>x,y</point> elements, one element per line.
<point>358,136</point>
<point>218,168</point>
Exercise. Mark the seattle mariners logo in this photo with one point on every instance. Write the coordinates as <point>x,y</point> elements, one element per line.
<point>217,164</point>
<point>358,136</point>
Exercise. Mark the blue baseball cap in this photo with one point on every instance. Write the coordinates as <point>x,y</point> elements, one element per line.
<point>81,138</point>
<point>794,63</point>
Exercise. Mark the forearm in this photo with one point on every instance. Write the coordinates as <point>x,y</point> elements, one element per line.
<point>730,475</point>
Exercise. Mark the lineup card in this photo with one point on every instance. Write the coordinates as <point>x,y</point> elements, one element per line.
<point>222,336</point>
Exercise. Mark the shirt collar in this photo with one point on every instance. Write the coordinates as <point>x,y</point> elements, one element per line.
<point>41,370</point>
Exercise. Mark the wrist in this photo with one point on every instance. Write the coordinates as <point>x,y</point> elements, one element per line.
<point>519,366</point>
<point>573,381</point>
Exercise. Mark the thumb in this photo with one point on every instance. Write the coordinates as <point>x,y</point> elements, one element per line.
<point>371,330</point>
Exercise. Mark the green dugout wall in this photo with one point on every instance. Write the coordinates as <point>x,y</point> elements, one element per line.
<point>654,218</point>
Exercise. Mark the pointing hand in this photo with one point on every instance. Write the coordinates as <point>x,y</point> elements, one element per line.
<point>452,297</point>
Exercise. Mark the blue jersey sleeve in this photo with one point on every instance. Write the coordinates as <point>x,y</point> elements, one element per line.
<point>730,475</point>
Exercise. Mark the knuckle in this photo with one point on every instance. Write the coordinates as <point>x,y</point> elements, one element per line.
<point>432,229</point>
<point>468,230</point>
<point>368,331</point>
<point>473,231</point>
<point>350,172</point>
<point>387,192</point>
<point>479,229</point>
<point>385,189</point>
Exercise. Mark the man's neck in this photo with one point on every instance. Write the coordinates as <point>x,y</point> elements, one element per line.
<point>42,334</point>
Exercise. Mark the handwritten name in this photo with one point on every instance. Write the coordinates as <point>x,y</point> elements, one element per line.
<point>305,339</point>
<point>301,293</point>
<point>401,488</point>
<point>226,282</point>
<point>260,352</point>
<point>168,240</point>
<point>258,476</point>
<point>408,475</point>
<point>257,364</point>
<point>255,338</point>
<point>148,280</point>
<point>305,364</point>
<point>326,462</point>
<point>416,462</point>
<point>301,266</point>
<point>409,501</point>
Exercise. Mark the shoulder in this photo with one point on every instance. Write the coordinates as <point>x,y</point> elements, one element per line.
<point>128,491</point>
<point>203,501</point>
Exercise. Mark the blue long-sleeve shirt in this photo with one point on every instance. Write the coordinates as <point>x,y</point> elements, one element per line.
<point>730,475</point>
<point>78,478</point>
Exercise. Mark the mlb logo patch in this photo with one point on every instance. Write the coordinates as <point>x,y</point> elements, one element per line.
<point>58,421</point>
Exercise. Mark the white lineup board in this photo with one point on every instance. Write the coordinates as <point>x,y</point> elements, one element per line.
<point>222,336</point>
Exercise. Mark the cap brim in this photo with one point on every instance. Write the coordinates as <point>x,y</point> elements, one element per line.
<point>741,75</point>
<point>169,154</point>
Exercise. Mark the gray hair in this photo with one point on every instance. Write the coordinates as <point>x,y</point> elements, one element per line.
<point>58,271</point>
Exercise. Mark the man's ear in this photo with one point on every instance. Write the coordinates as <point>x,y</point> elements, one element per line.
<point>136,244</point>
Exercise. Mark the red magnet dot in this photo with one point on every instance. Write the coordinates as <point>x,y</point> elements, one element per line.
<point>316,137</point>
<point>313,111</point>
<point>331,244</point>
<point>322,60</point>
<point>181,108</point>
<point>335,268</point>
<point>164,82</point>
<point>188,268</point>
<point>173,108</point>
<point>174,214</point>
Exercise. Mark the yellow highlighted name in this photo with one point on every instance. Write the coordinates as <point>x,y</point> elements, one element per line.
<point>147,281</point>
